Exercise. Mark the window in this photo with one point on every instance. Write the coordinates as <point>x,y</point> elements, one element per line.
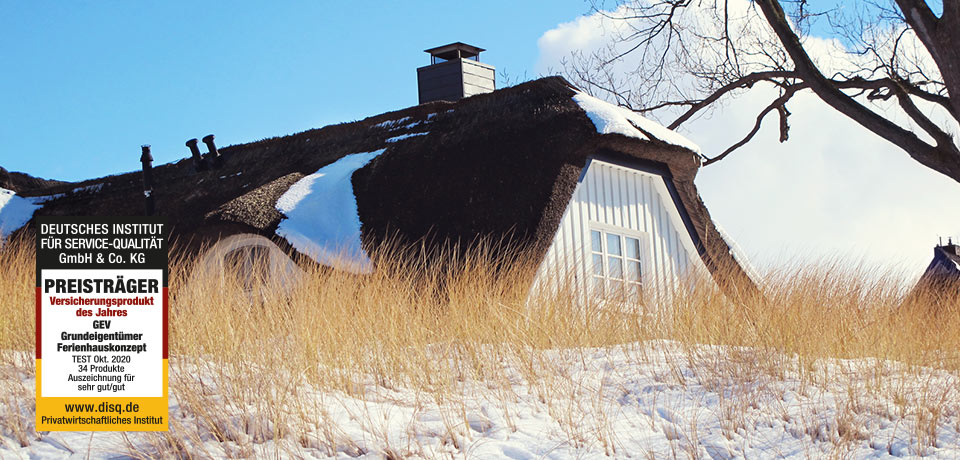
<point>616,265</point>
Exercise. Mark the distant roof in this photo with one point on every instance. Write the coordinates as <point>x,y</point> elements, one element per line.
<point>945,263</point>
<point>942,276</point>
<point>455,50</point>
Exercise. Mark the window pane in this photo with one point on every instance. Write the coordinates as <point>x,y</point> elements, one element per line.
<point>633,248</point>
<point>614,267</point>
<point>633,270</point>
<point>613,244</point>
<point>598,264</point>
<point>595,241</point>
<point>598,284</point>
<point>616,288</point>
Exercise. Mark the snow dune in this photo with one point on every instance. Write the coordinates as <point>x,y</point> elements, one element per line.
<point>643,400</point>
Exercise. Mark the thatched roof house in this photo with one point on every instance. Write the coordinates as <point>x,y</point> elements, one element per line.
<point>942,277</point>
<point>588,187</point>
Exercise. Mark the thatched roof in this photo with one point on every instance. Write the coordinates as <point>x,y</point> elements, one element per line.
<point>25,184</point>
<point>503,163</point>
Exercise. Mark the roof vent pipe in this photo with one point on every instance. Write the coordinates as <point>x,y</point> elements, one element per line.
<point>212,152</point>
<point>147,161</point>
<point>198,163</point>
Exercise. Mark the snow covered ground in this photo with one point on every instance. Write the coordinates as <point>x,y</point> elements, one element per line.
<point>651,400</point>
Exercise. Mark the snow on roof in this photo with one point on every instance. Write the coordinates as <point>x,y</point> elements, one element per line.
<point>391,123</point>
<point>89,188</point>
<point>15,212</point>
<point>738,255</point>
<point>612,119</point>
<point>405,136</point>
<point>321,215</point>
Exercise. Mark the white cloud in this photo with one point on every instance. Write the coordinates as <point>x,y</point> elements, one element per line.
<point>583,33</point>
<point>833,190</point>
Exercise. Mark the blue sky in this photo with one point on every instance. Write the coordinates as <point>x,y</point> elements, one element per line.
<point>85,83</point>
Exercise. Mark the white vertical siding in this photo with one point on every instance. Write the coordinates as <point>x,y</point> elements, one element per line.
<point>619,199</point>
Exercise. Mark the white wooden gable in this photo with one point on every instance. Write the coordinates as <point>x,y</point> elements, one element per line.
<point>636,205</point>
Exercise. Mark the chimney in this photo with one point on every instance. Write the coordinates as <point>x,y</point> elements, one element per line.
<point>198,162</point>
<point>455,72</point>
<point>212,154</point>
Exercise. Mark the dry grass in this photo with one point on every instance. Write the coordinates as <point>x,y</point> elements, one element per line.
<point>268,360</point>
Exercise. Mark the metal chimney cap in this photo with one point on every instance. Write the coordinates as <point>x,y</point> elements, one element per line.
<point>145,156</point>
<point>192,142</point>
<point>208,138</point>
<point>455,50</point>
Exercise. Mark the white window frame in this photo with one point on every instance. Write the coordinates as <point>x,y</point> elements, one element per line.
<point>646,276</point>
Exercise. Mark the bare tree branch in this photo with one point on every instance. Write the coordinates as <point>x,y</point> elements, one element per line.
<point>678,59</point>
<point>939,36</point>
<point>941,137</point>
<point>778,105</point>
<point>926,154</point>
<point>744,82</point>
